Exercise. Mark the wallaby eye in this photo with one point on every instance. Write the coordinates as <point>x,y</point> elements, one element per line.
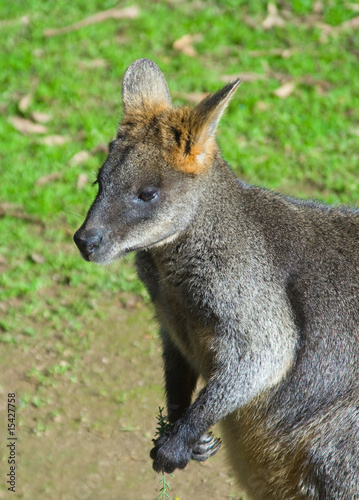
<point>147,194</point>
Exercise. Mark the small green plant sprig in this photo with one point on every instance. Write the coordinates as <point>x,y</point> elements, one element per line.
<point>165,487</point>
<point>163,425</point>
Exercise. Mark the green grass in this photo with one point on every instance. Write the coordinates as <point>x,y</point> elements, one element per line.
<point>306,144</point>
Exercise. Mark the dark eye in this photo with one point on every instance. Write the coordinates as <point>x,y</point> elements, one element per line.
<point>147,194</point>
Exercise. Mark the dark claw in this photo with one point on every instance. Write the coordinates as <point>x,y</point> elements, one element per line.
<point>205,438</point>
<point>206,447</point>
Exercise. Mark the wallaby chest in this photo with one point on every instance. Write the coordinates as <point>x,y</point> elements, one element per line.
<point>188,326</point>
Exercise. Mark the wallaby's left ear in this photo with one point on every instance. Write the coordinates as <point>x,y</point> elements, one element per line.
<point>144,86</point>
<point>209,111</point>
<point>204,119</point>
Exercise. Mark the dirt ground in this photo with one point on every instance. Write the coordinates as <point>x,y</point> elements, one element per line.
<point>87,435</point>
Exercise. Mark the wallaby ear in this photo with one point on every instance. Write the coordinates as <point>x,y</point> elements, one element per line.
<point>197,154</point>
<point>144,86</point>
<point>209,111</point>
<point>194,131</point>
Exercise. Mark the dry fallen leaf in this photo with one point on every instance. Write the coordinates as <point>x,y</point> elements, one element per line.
<point>37,258</point>
<point>116,13</point>
<point>54,140</point>
<point>318,7</point>
<point>250,21</point>
<point>24,103</point>
<point>93,64</point>
<point>82,180</point>
<point>24,20</point>
<point>38,52</point>
<point>79,158</point>
<point>46,179</point>
<point>285,90</point>
<point>37,116</point>
<point>262,106</point>
<point>285,53</point>
<point>27,126</point>
<point>328,30</point>
<point>185,44</point>
<point>352,23</point>
<point>100,148</point>
<point>352,6</point>
<point>273,18</point>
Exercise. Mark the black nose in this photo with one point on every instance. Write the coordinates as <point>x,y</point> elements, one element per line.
<point>88,241</point>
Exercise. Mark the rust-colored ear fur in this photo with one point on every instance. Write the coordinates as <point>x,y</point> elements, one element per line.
<point>186,135</point>
<point>205,118</point>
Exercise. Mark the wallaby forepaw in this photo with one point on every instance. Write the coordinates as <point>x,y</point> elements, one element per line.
<point>170,453</point>
<point>206,447</point>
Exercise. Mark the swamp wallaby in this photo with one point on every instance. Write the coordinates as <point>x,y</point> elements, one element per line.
<point>255,292</point>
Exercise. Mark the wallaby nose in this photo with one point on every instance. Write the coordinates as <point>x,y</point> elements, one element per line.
<point>88,241</point>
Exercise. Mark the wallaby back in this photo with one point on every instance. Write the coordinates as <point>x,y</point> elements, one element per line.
<point>255,292</point>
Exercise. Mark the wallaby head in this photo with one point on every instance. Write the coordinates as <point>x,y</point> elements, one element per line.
<point>149,185</point>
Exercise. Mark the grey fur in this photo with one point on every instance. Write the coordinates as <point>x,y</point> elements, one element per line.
<point>256,292</point>
<point>142,82</point>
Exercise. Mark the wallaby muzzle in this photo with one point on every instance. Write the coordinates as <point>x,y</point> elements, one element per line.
<point>88,241</point>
